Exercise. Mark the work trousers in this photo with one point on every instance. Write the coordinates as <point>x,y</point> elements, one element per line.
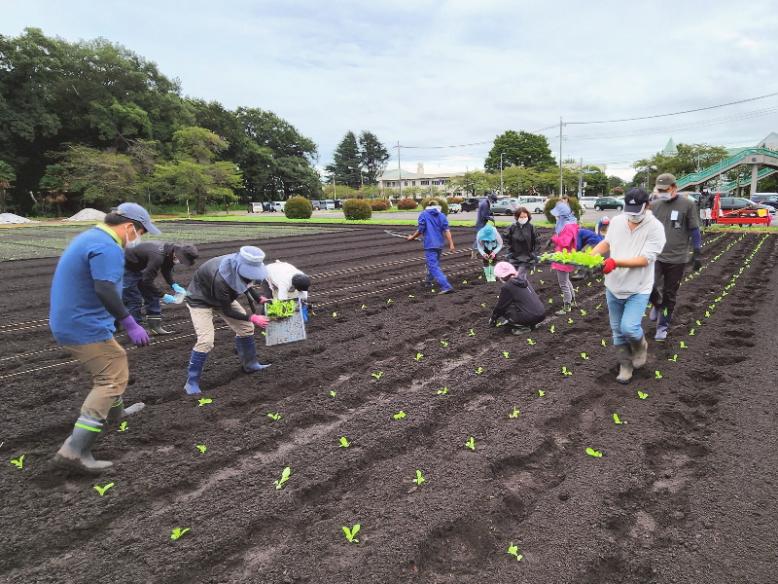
<point>626,315</point>
<point>106,362</point>
<point>433,268</point>
<point>568,294</point>
<point>667,279</point>
<point>135,295</point>
<point>202,320</point>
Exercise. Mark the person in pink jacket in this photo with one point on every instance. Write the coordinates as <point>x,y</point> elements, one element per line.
<point>564,238</point>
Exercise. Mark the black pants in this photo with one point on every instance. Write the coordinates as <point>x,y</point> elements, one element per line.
<point>667,279</point>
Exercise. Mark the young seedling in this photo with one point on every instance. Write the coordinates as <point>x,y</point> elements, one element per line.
<point>570,321</point>
<point>351,534</point>
<point>102,489</point>
<point>470,443</point>
<point>178,532</point>
<point>464,282</point>
<point>442,391</point>
<point>531,343</point>
<point>584,356</point>
<point>411,296</point>
<point>377,375</point>
<point>363,307</point>
<point>657,374</point>
<point>333,393</point>
<point>419,480</point>
<point>707,314</point>
<point>642,395</point>
<point>401,415</point>
<point>698,323</point>
<point>551,301</point>
<point>202,448</point>
<point>483,305</point>
<point>542,282</point>
<point>588,284</point>
<point>513,550</point>
<point>566,372</point>
<point>275,416</point>
<point>674,358</point>
<point>599,305</point>
<point>18,462</point>
<point>583,312</point>
<point>343,442</point>
<point>204,401</point>
<point>123,426</point>
<point>692,332</point>
<point>684,345</point>
<point>285,474</point>
<point>541,393</point>
<point>617,419</point>
<point>471,333</point>
<point>389,302</point>
<point>506,354</point>
<point>552,329</point>
<point>593,453</point>
<point>444,344</point>
<point>514,414</point>
<point>334,315</point>
<point>418,357</point>
<point>603,342</point>
<point>479,370</point>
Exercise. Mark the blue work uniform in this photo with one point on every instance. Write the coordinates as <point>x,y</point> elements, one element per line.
<point>433,225</point>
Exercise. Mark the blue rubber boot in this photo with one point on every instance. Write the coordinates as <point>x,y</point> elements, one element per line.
<point>195,371</point>
<point>247,353</point>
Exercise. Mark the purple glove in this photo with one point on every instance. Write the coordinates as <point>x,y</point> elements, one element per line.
<point>137,333</point>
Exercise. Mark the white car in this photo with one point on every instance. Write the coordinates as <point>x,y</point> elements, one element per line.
<point>588,202</point>
<point>454,208</point>
<point>534,204</point>
<point>279,205</point>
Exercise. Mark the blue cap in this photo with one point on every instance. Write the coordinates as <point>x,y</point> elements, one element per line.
<point>135,212</point>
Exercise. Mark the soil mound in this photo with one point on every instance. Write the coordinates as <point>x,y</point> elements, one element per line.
<point>11,219</point>
<point>87,214</point>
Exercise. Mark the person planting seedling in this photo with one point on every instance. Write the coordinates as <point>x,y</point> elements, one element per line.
<point>285,282</point>
<point>216,287</point>
<point>634,240</point>
<point>489,243</point>
<point>433,226</point>
<point>565,234</point>
<point>518,305</point>
<point>86,301</point>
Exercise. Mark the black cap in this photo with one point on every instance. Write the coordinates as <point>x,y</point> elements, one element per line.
<point>186,254</point>
<point>634,200</point>
<point>301,282</point>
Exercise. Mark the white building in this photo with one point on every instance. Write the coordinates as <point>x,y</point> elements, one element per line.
<point>439,181</point>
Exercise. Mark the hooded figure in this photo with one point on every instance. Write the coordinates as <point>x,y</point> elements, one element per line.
<point>215,287</point>
<point>489,243</point>
<point>564,239</point>
<point>518,305</point>
<point>433,226</point>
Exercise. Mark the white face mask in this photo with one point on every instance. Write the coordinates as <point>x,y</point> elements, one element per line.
<point>135,241</point>
<point>637,218</point>
<point>523,221</point>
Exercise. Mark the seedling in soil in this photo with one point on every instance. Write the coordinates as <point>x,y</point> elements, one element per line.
<point>444,344</point>
<point>418,357</point>
<point>483,305</point>
<point>470,443</point>
<point>513,550</point>
<point>18,462</point>
<point>419,480</point>
<point>514,414</point>
<point>471,333</point>
<point>202,448</point>
<point>362,307</point>
<point>541,393</point>
<point>617,420</point>
<point>377,375</point>
<point>642,395</point>
<point>583,312</point>
<point>102,489</point>
<point>684,345</point>
<point>566,372</point>
<point>479,370</point>
<point>551,301</point>
<point>333,393</point>
<point>275,416</point>
<point>552,329</point>
<point>657,374</point>
<point>123,426</point>
<point>464,282</point>
<point>707,314</point>
<point>401,415</point>
<point>698,323</point>
<point>593,453</point>
<point>411,296</point>
<point>506,354</point>
<point>178,532</point>
<point>584,356</point>
<point>351,534</point>
<point>344,443</point>
<point>603,342</point>
<point>204,401</point>
<point>285,474</point>
<point>570,321</point>
<point>531,343</point>
<point>390,301</point>
<point>542,282</point>
<point>674,358</point>
<point>692,333</point>
<point>599,305</point>
<point>334,315</point>
<point>442,391</point>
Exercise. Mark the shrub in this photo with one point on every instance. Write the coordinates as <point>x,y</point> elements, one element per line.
<point>575,206</point>
<point>379,204</point>
<point>298,207</point>
<point>357,209</point>
<point>455,199</point>
<point>407,204</point>
<point>438,200</point>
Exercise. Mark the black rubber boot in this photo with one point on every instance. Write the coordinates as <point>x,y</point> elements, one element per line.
<point>155,324</point>
<point>625,364</point>
<point>118,411</point>
<point>76,452</point>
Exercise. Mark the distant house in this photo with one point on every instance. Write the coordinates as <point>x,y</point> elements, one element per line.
<point>390,180</point>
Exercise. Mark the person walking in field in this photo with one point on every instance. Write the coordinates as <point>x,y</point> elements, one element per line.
<point>86,301</point>
<point>564,239</point>
<point>634,240</point>
<point>142,264</point>
<point>433,227</point>
<point>518,305</point>
<point>522,242</point>
<point>215,288</point>
<point>680,219</point>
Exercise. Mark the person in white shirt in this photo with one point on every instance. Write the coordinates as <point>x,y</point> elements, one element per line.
<point>285,282</point>
<point>634,240</point>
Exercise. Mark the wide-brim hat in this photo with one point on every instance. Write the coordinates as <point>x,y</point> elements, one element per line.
<point>251,263</point>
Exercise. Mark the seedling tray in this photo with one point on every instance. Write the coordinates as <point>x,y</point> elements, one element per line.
<point>281,331</point>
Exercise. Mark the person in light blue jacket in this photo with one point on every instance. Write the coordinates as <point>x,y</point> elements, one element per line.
<point>433,226</point>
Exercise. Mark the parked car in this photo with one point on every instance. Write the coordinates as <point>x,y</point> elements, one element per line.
<point>770,199</point>
<point>454,208</point>
<point>505,206</point>
<point>588,202</point>
<point>733,203</point>
<point>534,204</point>
<point>267,207</point>
<point>603,203</point>
<point>279,205</point>
<point>327,205</point>
<point>470,204</point>
<point>316,204</point>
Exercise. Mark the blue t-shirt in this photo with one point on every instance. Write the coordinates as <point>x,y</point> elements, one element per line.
<point>587,238</point>
<point>433,225</point>
<point>77,317</point>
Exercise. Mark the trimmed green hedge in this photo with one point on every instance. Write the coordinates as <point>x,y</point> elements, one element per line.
<point>575,207</point>
<point>439,200</point>
<point>357,209</point>
<point>298,207</point>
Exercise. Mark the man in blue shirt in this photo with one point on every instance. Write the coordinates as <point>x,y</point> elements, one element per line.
<point>86,301</point>
<point>433,225</point>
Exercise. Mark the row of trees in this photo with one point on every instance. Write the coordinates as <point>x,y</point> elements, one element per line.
<point>358,163</point>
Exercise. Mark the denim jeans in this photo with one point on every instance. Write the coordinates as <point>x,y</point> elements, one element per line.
<point>433,268</point>
<point>135,296</point>
<point>626,315</point>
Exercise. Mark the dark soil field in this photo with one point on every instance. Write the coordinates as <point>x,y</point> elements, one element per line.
<point>685,490</point>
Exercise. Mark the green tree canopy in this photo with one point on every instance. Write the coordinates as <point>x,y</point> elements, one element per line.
<point>690,158</point>
<point>346,166</point>
<point>373,156</point>
<point>519,149</point>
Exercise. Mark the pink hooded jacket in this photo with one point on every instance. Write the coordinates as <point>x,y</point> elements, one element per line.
<point>565,240</point>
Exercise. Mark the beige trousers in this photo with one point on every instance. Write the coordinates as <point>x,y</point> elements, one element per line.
<point>202,319</point>
<point>106,362</point>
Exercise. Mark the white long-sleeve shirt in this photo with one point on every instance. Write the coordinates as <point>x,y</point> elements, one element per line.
<point>647,240</point>
<point>279,278</point>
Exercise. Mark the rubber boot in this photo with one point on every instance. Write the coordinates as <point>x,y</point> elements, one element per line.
<point>118,411</point>
<point>567,308</point>
<point>639,352</point>
<point>76,452</point>
<point>155,324</point>
<point>625,364</point>
<point>662,326</point>
<point>520,329</point>
<point>194,372</point>
<point>247,352</point>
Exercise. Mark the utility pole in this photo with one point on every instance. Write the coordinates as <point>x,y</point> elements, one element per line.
<point>399,170</point>
<point>580,178</point>
<point>560,157</point>
<point>502,193</point>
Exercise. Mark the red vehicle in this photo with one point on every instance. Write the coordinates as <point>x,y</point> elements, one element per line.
<point>744,216</point>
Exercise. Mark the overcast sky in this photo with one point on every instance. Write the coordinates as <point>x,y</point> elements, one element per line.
<point>432,73</point>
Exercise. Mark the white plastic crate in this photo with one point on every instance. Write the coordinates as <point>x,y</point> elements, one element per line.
<point>286,330</point>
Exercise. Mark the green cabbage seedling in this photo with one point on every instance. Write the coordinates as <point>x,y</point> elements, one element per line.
<point>657,374</point>
<point>464,282</point>
<point>684,345</point>
<point>102,489</point>
<point>442,391</point>
<point>333,393</point>
<point>551,301</point>
<point>351,534</point>
<point>479,370</point>
<point>642,395</point>
<point>18,462</point>
<point>419,480</point>
<point>411,296</point>
<point>344,443</point>
<point>513,550</point>
<point>275,416</point>
<point>281,308</point>
<point>377,375</point>
<point>594,453</point>
<point>363,307</point>
<point>390,301</point>
<point>444,344</point>
<point>603,342</point>
<point>470,443</point>
<point>691,333</point>
<point>514,414</point>
<point>542,282</point>
<point>178,532</point>
<point>566,372</point>
<point>334,315</point>
<point>506,354</point>
<point>204,401</point>
<point>577,258</point>
<point>570,321</point>
<point>584,356</point>
<point>617,420</point>
<point>285,474</point>
<point>698,323</point>
<point>471,333</point>
<point>674,358</point>
<point>541,393</point>
<point>202,448</point>
<point>552,329</point>
<point>123,426</point>
<point>401,415</point>
<point>583,312</point>
<point>531,343</point>
<point>599,305</point>
<point>418,357</point>
<point>707,314</point>
<point>483,305</point>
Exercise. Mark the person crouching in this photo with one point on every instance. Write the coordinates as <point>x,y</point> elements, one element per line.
<point>518,305</point>
<point>215,287</point>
